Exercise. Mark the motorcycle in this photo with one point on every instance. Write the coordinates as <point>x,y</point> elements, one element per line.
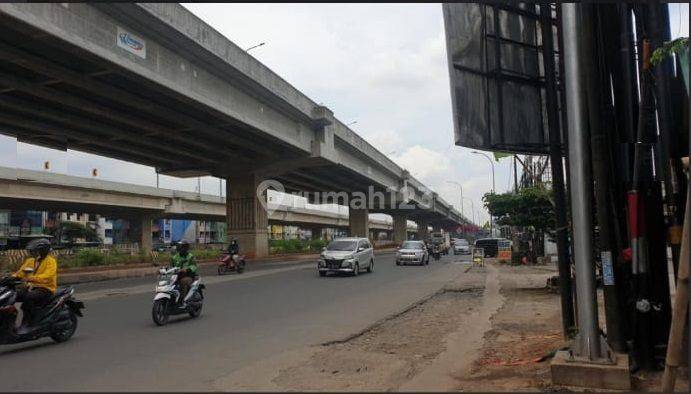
<point>167,300</point>
<point>57,319</point>
<point>435,253</point>
<point>231,263</point>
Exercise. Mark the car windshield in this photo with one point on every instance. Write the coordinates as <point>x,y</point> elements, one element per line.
<point>342,245</point>
<point>462,242</point>
<point>411,245</point>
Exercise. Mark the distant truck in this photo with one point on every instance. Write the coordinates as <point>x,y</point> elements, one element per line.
<point>443,240</point>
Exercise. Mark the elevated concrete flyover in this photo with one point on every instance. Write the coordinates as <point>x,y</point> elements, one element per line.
<point>153,84</point>
<point>40,190</point>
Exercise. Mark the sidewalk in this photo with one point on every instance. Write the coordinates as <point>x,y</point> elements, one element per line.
<point>71,276</point>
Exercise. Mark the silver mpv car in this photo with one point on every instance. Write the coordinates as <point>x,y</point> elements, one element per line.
<point>349,255</point>
<point>413,252</point>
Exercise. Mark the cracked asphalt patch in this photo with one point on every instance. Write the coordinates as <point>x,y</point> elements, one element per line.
<point>388,353</point>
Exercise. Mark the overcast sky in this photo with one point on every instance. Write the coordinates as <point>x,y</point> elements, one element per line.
<point>380,65</point>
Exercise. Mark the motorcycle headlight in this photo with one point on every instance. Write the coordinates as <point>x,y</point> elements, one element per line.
<point>162,282</point>
<point>5,295</point>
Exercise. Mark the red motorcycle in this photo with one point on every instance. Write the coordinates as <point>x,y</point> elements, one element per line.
<point>231,263</point>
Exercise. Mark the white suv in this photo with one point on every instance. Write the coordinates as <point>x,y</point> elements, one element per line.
<point>349,255</point>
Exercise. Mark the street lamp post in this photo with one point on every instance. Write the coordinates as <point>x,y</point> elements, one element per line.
<point>494,188</point>
<point>472,206</point>
<point>460,187</point>
<point>254,46</point>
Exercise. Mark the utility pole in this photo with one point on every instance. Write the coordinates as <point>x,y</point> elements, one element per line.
<point>515,175</point>
<point>587,346</point>
<point>555,152</point>
<point>494,190</point>
<point>601,167</point>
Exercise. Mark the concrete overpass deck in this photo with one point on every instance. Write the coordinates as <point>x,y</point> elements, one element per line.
<point>27,189</point>
<point>153,84</point>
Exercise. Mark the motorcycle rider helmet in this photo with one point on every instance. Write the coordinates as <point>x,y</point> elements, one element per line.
<point>183,246</point>
<point>38,247</point>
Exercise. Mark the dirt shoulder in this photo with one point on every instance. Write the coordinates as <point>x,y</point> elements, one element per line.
<point>524,331</point>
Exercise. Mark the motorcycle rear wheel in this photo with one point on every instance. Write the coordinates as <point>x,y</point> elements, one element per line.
<point>159,312</point>
<point>241,267</point>
<point>65,334</point>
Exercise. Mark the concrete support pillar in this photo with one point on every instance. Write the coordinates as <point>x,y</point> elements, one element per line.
<point>359,222</point>
<point>422,229</point>
<point>246,216</point>
<point>400,226</point>
<point>140,232</point>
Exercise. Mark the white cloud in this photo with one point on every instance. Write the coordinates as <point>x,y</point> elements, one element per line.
<point>423,162</point>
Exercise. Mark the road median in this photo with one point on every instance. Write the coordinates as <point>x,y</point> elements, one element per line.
<point>70,276</point>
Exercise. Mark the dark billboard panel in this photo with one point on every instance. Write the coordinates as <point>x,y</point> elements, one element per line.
<point>497,105</point>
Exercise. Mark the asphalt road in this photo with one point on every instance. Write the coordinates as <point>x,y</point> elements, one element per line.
<point>246,318</point>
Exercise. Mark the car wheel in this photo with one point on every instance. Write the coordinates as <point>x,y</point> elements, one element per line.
<point>322,273</point>
<point>398,263</point>
<point>370,268</point>
<point>356,269</point>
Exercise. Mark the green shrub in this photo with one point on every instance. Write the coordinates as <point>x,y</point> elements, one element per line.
<point>205,254</point>
<point>316,245</point>
<point>89,258</point>
<point>288,246</point>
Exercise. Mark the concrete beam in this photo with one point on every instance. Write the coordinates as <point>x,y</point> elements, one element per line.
<point>80,128</point>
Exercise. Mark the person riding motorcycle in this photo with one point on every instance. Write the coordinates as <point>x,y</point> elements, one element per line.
<point>39,274</point>
<point>184,260</point>
<point>233,248</point>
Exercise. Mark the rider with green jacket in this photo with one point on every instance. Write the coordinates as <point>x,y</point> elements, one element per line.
<point>184,260</point>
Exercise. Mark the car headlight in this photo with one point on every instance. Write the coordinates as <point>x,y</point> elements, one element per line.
<point>347,263</point>
<point>321,263</point>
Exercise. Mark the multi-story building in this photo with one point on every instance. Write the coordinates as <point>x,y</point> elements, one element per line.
<point>101,225</point>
